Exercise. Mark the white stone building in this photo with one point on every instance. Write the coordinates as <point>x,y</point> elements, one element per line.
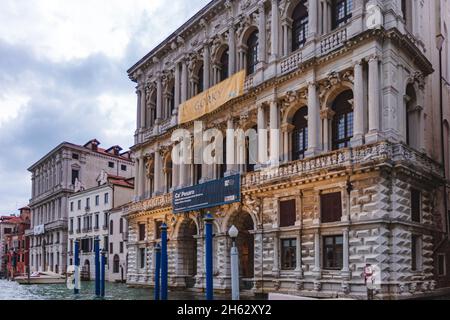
<point>54,178</point>
<point>89,219</point>
<point>353,85</point>
<point>118,237</point>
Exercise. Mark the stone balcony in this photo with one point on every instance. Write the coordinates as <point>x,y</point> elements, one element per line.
<point>368,155</point>
<point>162,201</point>
<point>363,157</point>
<point>59,224</point>
<point>332,41</point>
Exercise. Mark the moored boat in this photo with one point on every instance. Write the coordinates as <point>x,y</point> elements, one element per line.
<point>41,278</point>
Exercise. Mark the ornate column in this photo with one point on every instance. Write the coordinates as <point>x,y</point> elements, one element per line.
<point>262,135</point>
<point>276,256</point>
<point>262,33</point>
<point>158,173</point>
<point>421,123</point>
<point>138,112</point>
<point>326,116</point>
<point>159,98</point>
<point>274,132</point>
<point>184,81</point>
<point>286,26</point>
<point>358,106</point>
<point>231,49</point>
<point>136,187</point>
<point>143,106</point>
<point>313,17</point>
<point>317,271</point>
<point>206,66</point>
<point>299,268</point>
<point>346,269</point>
<point>183,175</point>
<point>374,100</point>
<point>33,185</point>
<point>230,146</point>
<point>241,59</point>
<point>275,31</point>
<point>287,130</point>
<point>313,120</point>
<point>141,179</point>
<point>177,87</point>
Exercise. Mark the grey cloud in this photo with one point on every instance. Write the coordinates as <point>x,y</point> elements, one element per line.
<point>63,104</point>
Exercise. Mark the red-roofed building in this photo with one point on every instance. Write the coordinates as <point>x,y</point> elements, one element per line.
<point>16,244</point>
<point>63,171</point>
<point>89,218</point>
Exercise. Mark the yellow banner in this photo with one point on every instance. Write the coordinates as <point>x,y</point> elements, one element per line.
<point>212,99</point>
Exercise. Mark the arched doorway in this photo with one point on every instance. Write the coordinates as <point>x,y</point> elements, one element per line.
<point>86,271</point>
<point>44,253</point>
<point>116,264</point>
<point>246,247</point>
<point>187,244</point>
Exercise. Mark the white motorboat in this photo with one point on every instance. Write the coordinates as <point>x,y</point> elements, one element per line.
<point>41,278</point>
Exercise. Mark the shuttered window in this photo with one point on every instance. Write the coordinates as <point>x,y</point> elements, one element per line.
<point>331,207</point>
<point>415,205</point>
<point>141,232</point>
<point>287,213</point>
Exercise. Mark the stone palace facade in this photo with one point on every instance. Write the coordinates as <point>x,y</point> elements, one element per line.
<point>353,87</point>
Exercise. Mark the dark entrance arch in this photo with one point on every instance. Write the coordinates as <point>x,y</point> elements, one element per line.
<point>86,271</point>
<point>246,246</point>
<point>187,244</point>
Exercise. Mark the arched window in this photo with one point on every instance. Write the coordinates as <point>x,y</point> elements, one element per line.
<point>342,12</point>
<point>200,86</point>
<point>251,155</point>
<point>299,26</point>
<point>169,101</point>
<point>412,118</point>
<point>252,52</point>
<point>197,173</point>
<point>150,115</point>
<point>116,264</point>
<point>223,166</point>
<point>342,127</point>
<point>300,134</point>
<point>224,70</point>
<point>168,173</point>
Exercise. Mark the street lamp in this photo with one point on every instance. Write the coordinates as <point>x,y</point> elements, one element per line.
<point>233,233</point>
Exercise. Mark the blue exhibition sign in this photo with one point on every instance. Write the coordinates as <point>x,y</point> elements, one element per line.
<point>207,195</point>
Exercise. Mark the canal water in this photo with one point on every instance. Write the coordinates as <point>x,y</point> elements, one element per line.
<point>10,290</point>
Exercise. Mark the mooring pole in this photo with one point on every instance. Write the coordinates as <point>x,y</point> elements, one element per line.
<point>157,272</point>
<point>209,256</point>
<point>97,266</point>
<point>164,262</point>
<point>76,289</point>
<point>102,274</point>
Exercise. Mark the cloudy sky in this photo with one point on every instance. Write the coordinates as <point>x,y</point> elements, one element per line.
<point>63,76</point>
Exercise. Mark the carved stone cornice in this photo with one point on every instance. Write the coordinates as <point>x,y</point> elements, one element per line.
<point>287,127</point>
<point>327,114</point>
<point>418,78</point>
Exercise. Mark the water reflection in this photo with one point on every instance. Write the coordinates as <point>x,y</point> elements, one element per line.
<point>10,290</point>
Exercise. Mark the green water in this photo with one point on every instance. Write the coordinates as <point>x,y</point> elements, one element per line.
<point>10,290</point>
